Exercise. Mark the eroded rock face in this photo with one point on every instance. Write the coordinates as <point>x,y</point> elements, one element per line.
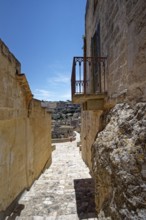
<point>119,163</point>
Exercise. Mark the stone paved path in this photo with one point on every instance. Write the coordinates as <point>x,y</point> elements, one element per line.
<point>63,192</point>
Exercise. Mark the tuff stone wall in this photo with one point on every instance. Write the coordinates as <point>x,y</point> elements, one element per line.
<point>123,41</point>
<point>117,158</point>
<point>25,132</point>
<point>90,125</point>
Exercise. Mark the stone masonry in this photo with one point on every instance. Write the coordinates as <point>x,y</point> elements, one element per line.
<point>122,40</point>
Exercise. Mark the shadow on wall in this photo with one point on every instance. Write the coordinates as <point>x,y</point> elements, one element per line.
<point>84,190</point>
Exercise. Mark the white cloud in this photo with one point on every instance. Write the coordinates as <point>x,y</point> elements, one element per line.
<point>57,85</point>
<point>46,95</point>
<point>42,94</point>
<point>59,78</point>
<point>58,73</point>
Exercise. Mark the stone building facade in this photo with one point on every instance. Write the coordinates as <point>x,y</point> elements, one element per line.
<point>114,77</point>
<point>116,30</point>
<point>25,131</point>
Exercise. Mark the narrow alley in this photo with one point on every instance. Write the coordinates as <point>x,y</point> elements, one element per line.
<point>63,192</point>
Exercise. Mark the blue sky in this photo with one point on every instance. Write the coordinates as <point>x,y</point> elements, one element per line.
<point>44,35</point>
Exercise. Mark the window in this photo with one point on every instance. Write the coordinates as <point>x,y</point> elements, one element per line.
<point>95,4</point>
<point>95,52</point>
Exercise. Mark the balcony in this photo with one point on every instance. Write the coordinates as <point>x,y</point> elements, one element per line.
<point>88,82</point>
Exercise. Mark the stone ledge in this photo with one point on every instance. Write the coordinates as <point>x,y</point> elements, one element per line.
<point>61,140</point>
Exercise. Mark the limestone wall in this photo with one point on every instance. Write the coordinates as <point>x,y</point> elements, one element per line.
<point>90,125</point>
<point>25,136</point>
<point>123,41</point>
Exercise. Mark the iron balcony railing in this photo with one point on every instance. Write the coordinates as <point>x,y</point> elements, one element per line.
<point>80,67</point>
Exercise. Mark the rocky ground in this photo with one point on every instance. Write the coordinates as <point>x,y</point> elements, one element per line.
<point>119,163</point>
<point>65,119</point>
<point>65,191</point>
